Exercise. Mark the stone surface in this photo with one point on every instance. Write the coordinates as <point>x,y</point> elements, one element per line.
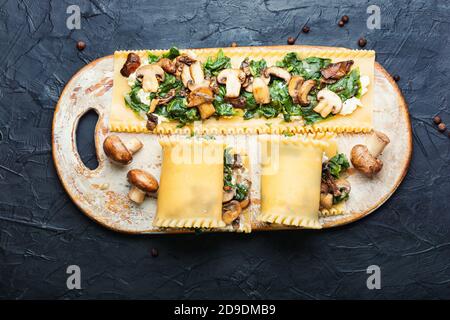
<point>42,232</point>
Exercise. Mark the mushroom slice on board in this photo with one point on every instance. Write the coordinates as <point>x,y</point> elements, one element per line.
<point>167,65</point>
<point>261,91</point>
<point>232,78</point>
<point>336,71</point>
<point>200,96</point>
<point>142,183</point>
<point>329,102</point>
<point>151,74</point>
<point>294,87</point>
<point>303,93</point>
<point>206,110</point>
<point>197,77</point>
<point>131,64</point>
<point>119,151</point>
<point>365,158</point>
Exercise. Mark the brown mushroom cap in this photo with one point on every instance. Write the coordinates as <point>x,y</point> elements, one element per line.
<point>364,161</point>
<point>116,150</point>
<point>305,88</point>
<point>142,180</point>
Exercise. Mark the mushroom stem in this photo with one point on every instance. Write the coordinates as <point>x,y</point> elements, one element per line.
<point>136,194</point>
<point>377,142</point>
<point>134,145</point>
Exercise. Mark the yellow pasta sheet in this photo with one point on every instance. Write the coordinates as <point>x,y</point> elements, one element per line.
<point>290,180</point>
<point>191,184</point>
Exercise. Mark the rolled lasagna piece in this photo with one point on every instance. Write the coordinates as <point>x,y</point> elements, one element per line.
<point>191,184</point>
<point>290,180</point>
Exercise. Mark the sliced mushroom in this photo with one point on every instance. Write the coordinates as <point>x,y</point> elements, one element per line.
<point>238,102</point>
<point>245,203</point>
<point>153,105</point>
<point>343,185</point>
<point>200,96</point>
<point>151,74</point>
<point>304,92</point>
<point>186,75</point>
<point>197,77</point>
<point>249,86</point>
<point>170,95</point>
<point>294,87</point>
<point>278,72</point>
<point>232,78</point>
<point>131,64</point>
<point>336,71</point>
<point>231,211</point>
<point>142,183</point>
<point>365,158</point>
<point>119,151</point>
<point>329,102</point>
<point>206,110</point>
<point>214,85</point>
<point>167,65</point>
<point>326,200</point>
<point>152,121</point>
<point>261,91</point>
<point>228,196</point>
<point>181,61</point>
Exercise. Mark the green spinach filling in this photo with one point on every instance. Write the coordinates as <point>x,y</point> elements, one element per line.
<point>281,102</point>
<point>240,189</point>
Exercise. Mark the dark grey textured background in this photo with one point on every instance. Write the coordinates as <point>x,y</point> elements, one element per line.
<point>42,232</point>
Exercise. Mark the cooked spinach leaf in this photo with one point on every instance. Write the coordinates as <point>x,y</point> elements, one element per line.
<point>133,102</point>
<point>257,66</point>
<point>177,110</point>
<point>338,164</point>
<point>170,82</point>
<point>213,66</point>
<point>222,107</point>
<point>240,190</point>
<point>347,87</point>
<point>308,68</point>
<point>171,54</point>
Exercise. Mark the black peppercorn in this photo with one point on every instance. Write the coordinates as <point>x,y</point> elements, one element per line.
<point>81,45</point>
<point>306,29</point>
<point>442,127</point>
<point>344,19</point>
<point>396,78</point>
<point>437,120</point>
<point>234,44</point>
<point>341,23</point>
<point>291,40</point>
<point>362,42</point>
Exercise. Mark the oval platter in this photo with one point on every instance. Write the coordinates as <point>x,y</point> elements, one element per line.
<point>102,193</point>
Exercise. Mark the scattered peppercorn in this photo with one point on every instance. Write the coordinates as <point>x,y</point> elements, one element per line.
<point>362,42</point>
<point>345,19</point>
<point>291,40</point>
<point>442,127</point>
<point>154,252</point>
<point>81,45</point>
<point>234,44</point>
<point>396,78</point>
<point>306,29</point>
<point>341,23</point>
<point>437,120</point>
